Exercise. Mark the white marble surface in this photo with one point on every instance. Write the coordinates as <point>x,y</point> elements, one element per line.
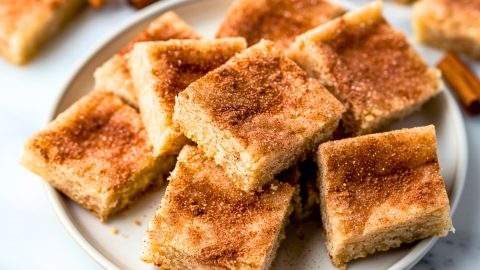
<point>32,237</point>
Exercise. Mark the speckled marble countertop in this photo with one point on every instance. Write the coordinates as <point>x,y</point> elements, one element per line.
<point>460,250</point>
<point>31,235</point>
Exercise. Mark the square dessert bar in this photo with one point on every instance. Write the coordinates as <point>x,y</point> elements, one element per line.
<point>368,66</point>
<point>97,153</point>
<point>257,115</point>
<point>26,24</point>
<point>204,222</point>
<point>277,20</point>
<point>379,191</point>
<point>113,76</point>
<point>449,24</point>
<point>160,70</point>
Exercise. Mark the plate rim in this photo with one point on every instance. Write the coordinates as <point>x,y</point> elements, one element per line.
<point>57,202</point>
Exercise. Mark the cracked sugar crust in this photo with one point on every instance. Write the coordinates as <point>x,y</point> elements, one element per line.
<point>398,168</point>
<point>205,217</point>
<point>264,99</point>
<point>100,139</point>
<point>277,20</point>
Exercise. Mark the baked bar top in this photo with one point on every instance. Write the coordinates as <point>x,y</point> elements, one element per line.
<point>263,99</point>
<point>374,181</point>
<point>467,7</point>
<point>27,24</point>
<point>114,76</point>
<point>462,16</point>
<point>276,20</point>
<point>174,64</point>
<point>167,26</point>
<point>205,217</point>
<point>373,66</point>
<point>376,68</point>
<point>99,139</point>
<point>17,15</point>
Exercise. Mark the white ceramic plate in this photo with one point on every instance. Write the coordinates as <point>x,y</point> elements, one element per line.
<point>122,251</point>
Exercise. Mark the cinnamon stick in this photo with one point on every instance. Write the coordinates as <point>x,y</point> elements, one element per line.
<point>462,80</point>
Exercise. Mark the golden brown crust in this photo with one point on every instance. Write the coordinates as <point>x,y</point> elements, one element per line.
<point>216,225</point>
<point>257,115</point>
<point>13,11</point>
<point>114,76</point>
<point>366,63</point>
<point>375,183</point>
<point>100,129</point>
<point>369,66</point>
<point>26,24</point>
<point>161,70</point>
<point>449,24</point>
<point>251,94</point>
<point>177,63</point>
<point>277,20</point>
<point>367,171</point>
<point>97,153</point>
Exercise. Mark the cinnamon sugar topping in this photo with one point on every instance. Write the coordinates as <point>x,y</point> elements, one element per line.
<point>277,20</point>
<point>103,131</point>
<point>178,63</point>
<point>399,168</point>
<point>374,67</point>
<point>213,221</point>
<point>259,91</point>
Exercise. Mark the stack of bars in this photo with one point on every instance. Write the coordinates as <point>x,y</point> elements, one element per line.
<point>248,133</point>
